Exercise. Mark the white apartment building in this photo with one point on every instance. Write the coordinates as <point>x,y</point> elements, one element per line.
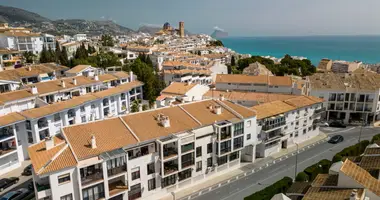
<point>282,124</point>
<point>9,59</point>
<point>269,84</point>
<point>181,92</point>
<point>351,98</point>
<point>83,70</point>
<point>175,71</point>
<point>339,66</point>
<point>80,37</point>
<point>146,155</point>
<point>30,115</point>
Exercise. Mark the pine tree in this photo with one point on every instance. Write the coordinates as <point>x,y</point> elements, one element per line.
<point>51,55</point>
<point>148,61</point>
<point>63,59</point>
<point>44,55</point>
<point>57,52</point>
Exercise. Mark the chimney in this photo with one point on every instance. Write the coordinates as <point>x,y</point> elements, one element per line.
<point>34,90</point>
<point>63,84</point>
<point>165,121</point>
<point>93,142</point>
<point>221,97</point>
<point>218,109</point>
<point>354,195</point>
<point>96,77</point>
<point>74,81</point>
<point>140,107</point>
<point>49,142</point>
<point>130,76</point>
<point>154,105</point>
<point>29,68</point>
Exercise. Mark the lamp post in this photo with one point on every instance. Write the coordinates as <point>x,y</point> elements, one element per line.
<point>295,170</point>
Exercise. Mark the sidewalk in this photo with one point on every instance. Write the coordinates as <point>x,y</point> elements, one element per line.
<point>244,167</point>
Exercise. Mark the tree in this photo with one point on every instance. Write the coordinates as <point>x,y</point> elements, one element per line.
<point>216,43</point>
<point>57,52</point>
<point>81,52</point>
<point>135,106</point>
<point>106,60</point>
<point>302,177</point>
<point>44,55</point>
<point>148,61</point>
<point>233,61</point>
<point>145,107</point>
<point>107,40</point>
<point>29,57</point>
<point>63,58</point>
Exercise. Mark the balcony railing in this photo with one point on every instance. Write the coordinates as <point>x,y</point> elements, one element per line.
<point>170,152</point>
<point>42,125</point>
<point>117,170</point>
<point>42,187</point>
<point>4,136</point>
<point>225,135</point>
<point>269,127</point>
<point>187,163</point>
<point>320,110</point>
<point>225,150</point>
<point>117,187</point>
<point>238,132</point>
<point>170,168</point>
<point>95,176</point>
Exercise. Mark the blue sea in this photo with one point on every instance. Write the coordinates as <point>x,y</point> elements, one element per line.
<point>349,48</point>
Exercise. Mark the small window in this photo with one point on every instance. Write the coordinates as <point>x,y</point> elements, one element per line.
<point>248,136</point>
<point>57,117</point>
<point>209,148</point>
<point>83,119</point>
<point>209,162</point>
<point>249,123</point>
<point>92,106</point>
<point>136,174</point>
<point>67,197</point>
<point>150,168</point>
<point>199,151</point>
<point>64,178</point>
<point>199,166</point>
<point>82,109</point>
<point>152,184</point>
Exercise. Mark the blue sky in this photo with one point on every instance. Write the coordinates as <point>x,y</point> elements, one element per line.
<point>238,17</point>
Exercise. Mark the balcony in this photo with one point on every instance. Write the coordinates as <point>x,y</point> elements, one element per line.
<point>6,132</point>
<point>225,150</point>
<point>169,151</point>
<point>117,188</point>
<point>117,170</point>
<point>43,190</point>
<point>91,176</point>
<point>42,186</point>
<point>320,110</point>
<point>187,147</point>
<point>170,167</point>
<point>6,148</point>
<point>187,163</point>
<point>273,126</point>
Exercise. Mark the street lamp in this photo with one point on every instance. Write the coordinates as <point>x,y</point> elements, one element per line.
<point>360,134</point>
<point>295,170</point>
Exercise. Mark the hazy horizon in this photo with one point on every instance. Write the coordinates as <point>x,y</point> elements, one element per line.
<point>245,18</point>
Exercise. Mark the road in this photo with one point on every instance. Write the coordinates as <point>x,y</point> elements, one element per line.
<point>245,186</point>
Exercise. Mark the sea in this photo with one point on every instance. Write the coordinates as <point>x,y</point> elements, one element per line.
<point>348,48</point>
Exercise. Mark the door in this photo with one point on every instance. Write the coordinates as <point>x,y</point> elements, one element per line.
<point>284,144</point>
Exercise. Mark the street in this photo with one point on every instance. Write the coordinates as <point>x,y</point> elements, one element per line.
<point>245,186</point>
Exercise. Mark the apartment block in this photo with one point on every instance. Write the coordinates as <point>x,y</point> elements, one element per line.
<point>181,92</point>
<point>282,124</point>
<point>145,155</point>
<point>261,83</point>
<point>344,66</point>
<point>175,71</point>
<point>349,97</point>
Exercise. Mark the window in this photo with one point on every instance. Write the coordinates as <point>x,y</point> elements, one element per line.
<point>249,123</point>
<point>248,136</point>
<point>92,106</point>
<point>304,131</point>
<point>187,160</point>
<point>136,174</point>
<point>57,117</point>
<point>199,166</point>
<point>64,178</point>
<point>199,151</point>
<point>83,119</point>
<point>296,135</point>
<point>28,125</point>
<point>291,135</point>
<point>30,137</point>
<point>82,109</point>
<point>238,142</point>
<point>187,147</point>
<point>67,197</point>
<point>170,180</point>
<point>184,174</point>
<point>209,162</point>
<point>239,128</point>
<point>152,184</point>
<point>225,147</point>
<point>234,156</point>
<point>222,160</point>
<point>135,192</point>
<point>151,168</point>
<point>209,148</point>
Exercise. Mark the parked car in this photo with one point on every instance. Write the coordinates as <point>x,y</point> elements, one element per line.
<point>16,195</point>
<point>31,186</point>
<point>336,139</point>
<point>7,182</point>
<point>27,171</point>
<point>337,124</point>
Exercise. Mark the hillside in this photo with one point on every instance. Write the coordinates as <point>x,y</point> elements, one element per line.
<point>153,29</point>
<point>20,17</point>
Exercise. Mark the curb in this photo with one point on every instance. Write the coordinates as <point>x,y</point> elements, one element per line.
<point>251,172</point>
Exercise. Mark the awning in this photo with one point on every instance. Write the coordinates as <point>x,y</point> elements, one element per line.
<point>112,154</point>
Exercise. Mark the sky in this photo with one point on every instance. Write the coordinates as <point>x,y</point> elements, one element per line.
<point>237,17</point>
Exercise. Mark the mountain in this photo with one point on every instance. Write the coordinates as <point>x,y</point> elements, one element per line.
<point>20,17</point>
<point>219,34</point>
<point>153,29</point>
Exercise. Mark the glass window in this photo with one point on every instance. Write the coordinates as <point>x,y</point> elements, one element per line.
<point>248,136</point>
<point>150,168</point>
<point>209,148</point>
<point>64,178</point>
<point>67,197</point>
<point>170,180</point>
<point>209,162</point>
<point>199,166</point>
<point>199,151</point>
<point>83,118</point>
<point>82,109</point>
<point>249,123</point>
<point>234,156</point>
<point>184,174</point>
<point>222,160</point>
<point>135,192</point>
<point>57,117</point>
<point>136,174</point>
<point>152,184</point>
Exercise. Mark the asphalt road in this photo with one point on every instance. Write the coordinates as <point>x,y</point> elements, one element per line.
<point>239,189</point>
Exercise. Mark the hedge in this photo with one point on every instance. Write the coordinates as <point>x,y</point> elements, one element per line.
<point>267,193</point>
<point>322,166</point>
<point>302,177</point>
<point>375,138</point>
<point>355,150</point>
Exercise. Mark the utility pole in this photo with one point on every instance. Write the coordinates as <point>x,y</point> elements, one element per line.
<point>295,170</point>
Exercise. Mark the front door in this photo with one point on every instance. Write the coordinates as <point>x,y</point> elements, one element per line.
<point>284,144</point>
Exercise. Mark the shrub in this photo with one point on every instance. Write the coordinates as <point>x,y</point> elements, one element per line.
<point>375,138</point>
<point>337,158</point>
<point>267,193</point>
<point>302,177</point>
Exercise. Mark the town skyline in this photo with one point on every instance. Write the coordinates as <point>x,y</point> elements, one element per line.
<point>242,18</point>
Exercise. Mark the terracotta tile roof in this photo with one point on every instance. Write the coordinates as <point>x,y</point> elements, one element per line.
<point>331,81</point>
<point>146,126</point>
<point>177,88</point>
<point>249,96</point>
<point>77,69</point>
<point>17,74</point>
<point>271,109</point>
<point>372,151</point>
<point>107,139</point>
<point>10,118</point>
<point>64,160</point>
<point>41,157</point>
<point>302,101</point>
<point>121,74</point>
<point>21,34</point>
<point>299,188</point>
<point>325,180</point>
<point>319,193</point>
<point>202,112</point>
<point>107,77</point>
<point>119,89</point>
<point>36,113</point>
<point>370,162</point>
<point>187,71</point>
<point>15,95</point>
<point>361,176</point>
<point>262,79</point>
<point>50,87</point>
<point>241,110</point>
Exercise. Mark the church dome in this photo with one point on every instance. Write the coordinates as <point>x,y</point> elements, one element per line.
<point>166,26</point>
